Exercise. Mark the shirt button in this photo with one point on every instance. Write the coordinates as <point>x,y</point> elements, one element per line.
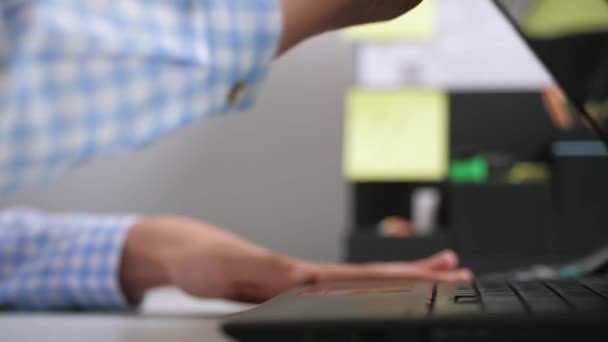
<point>237,94</point>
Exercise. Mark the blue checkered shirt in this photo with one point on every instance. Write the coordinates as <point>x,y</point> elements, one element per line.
<point>85,78</point>
<point>61,261</point>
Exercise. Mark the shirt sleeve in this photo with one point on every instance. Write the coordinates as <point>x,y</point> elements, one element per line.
<point>61,261</point>
<point>81,79</point>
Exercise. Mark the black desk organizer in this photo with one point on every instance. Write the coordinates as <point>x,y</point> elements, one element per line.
<point>580,186</point>
<point>495,226</point>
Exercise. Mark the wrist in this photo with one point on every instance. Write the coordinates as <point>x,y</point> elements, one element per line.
<point>145,259</point>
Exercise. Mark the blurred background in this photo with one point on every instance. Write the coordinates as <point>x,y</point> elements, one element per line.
<point>379,143</point>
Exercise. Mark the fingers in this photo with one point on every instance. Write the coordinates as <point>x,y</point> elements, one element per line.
<point>275,274</point>
<point>442,261</point>
<point>555,104</point>
<point>386,271</point>
<point>397,272</point>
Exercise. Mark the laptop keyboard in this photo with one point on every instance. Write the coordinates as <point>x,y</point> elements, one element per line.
<point>536,297</point>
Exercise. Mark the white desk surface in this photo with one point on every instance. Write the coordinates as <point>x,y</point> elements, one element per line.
<point>165,315</point>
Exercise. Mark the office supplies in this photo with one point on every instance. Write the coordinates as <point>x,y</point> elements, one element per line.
<point>592,265</point>
<point>425,210</point>
<point>485,310</point>
<point>395,227</point>
<point>399,135</point>
<point>453,59</point>
<point>526,172</point>
<point>554,19</point>
<point>471,170</point>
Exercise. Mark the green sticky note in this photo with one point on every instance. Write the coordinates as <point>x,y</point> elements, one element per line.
<point>474,170</point>
<point>418,24</point>
<point>399,135</point>
<point>548,19</point>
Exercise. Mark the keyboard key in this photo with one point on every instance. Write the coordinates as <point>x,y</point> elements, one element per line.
<point>531,287</point>
<point>443,308</point>
<point>498,297</point>
<point>533,291</point>
<point>579,296</point>
<point>462,289</point>
<point>501,300</point>
<point>598,285</point>
<point>456,299</point>
<point>573,290</point>
<point>504,307</point>
<point>466,299</point>
<point>493,286</point>
<point>457,293</point>
<point>589,305</point>
<point>539,298</point>
<point>548,306</point>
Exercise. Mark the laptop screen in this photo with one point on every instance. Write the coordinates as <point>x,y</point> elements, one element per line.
<point>570,37</point>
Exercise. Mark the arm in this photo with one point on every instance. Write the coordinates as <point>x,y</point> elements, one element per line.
<point>76,261</point>
<point>66,261</point>
<point>206,261</point>
<point>305,18</point>
<point>178,61</point>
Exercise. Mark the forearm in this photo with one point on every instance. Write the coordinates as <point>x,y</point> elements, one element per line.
<point>305,18</point>
<point>210,262</point>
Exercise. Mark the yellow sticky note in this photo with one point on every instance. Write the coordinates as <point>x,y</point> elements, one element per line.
<point>399,135</point>
<point>418,24</point>
<point>549,19</point>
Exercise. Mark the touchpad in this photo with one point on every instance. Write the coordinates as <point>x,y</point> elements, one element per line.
<point>343,291</point>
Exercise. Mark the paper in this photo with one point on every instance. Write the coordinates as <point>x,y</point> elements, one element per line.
<point>394,65</point>
<point>172,301</point>
<point>396,135</point>
<point>418,24</point>
<point>475,48</point>
<point>479,49</point>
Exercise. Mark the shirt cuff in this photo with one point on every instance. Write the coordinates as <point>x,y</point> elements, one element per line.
<point>76,265</point>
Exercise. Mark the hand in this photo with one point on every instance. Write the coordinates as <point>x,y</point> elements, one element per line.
<point>556,105</point>
<point>306,18</point>
<point>206,261</point>
<point>367,11</point>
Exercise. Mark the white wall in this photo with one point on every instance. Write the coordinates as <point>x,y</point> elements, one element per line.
<point>273,175</point>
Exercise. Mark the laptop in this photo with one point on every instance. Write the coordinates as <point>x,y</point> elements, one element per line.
<point>570,37</point>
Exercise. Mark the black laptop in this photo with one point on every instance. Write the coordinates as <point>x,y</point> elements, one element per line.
<point>571,38</point>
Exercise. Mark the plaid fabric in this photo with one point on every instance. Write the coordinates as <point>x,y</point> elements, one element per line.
<point>61,261</point>
<point>86,78</point>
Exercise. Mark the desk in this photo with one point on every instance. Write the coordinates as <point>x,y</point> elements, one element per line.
<point>166,315</point>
